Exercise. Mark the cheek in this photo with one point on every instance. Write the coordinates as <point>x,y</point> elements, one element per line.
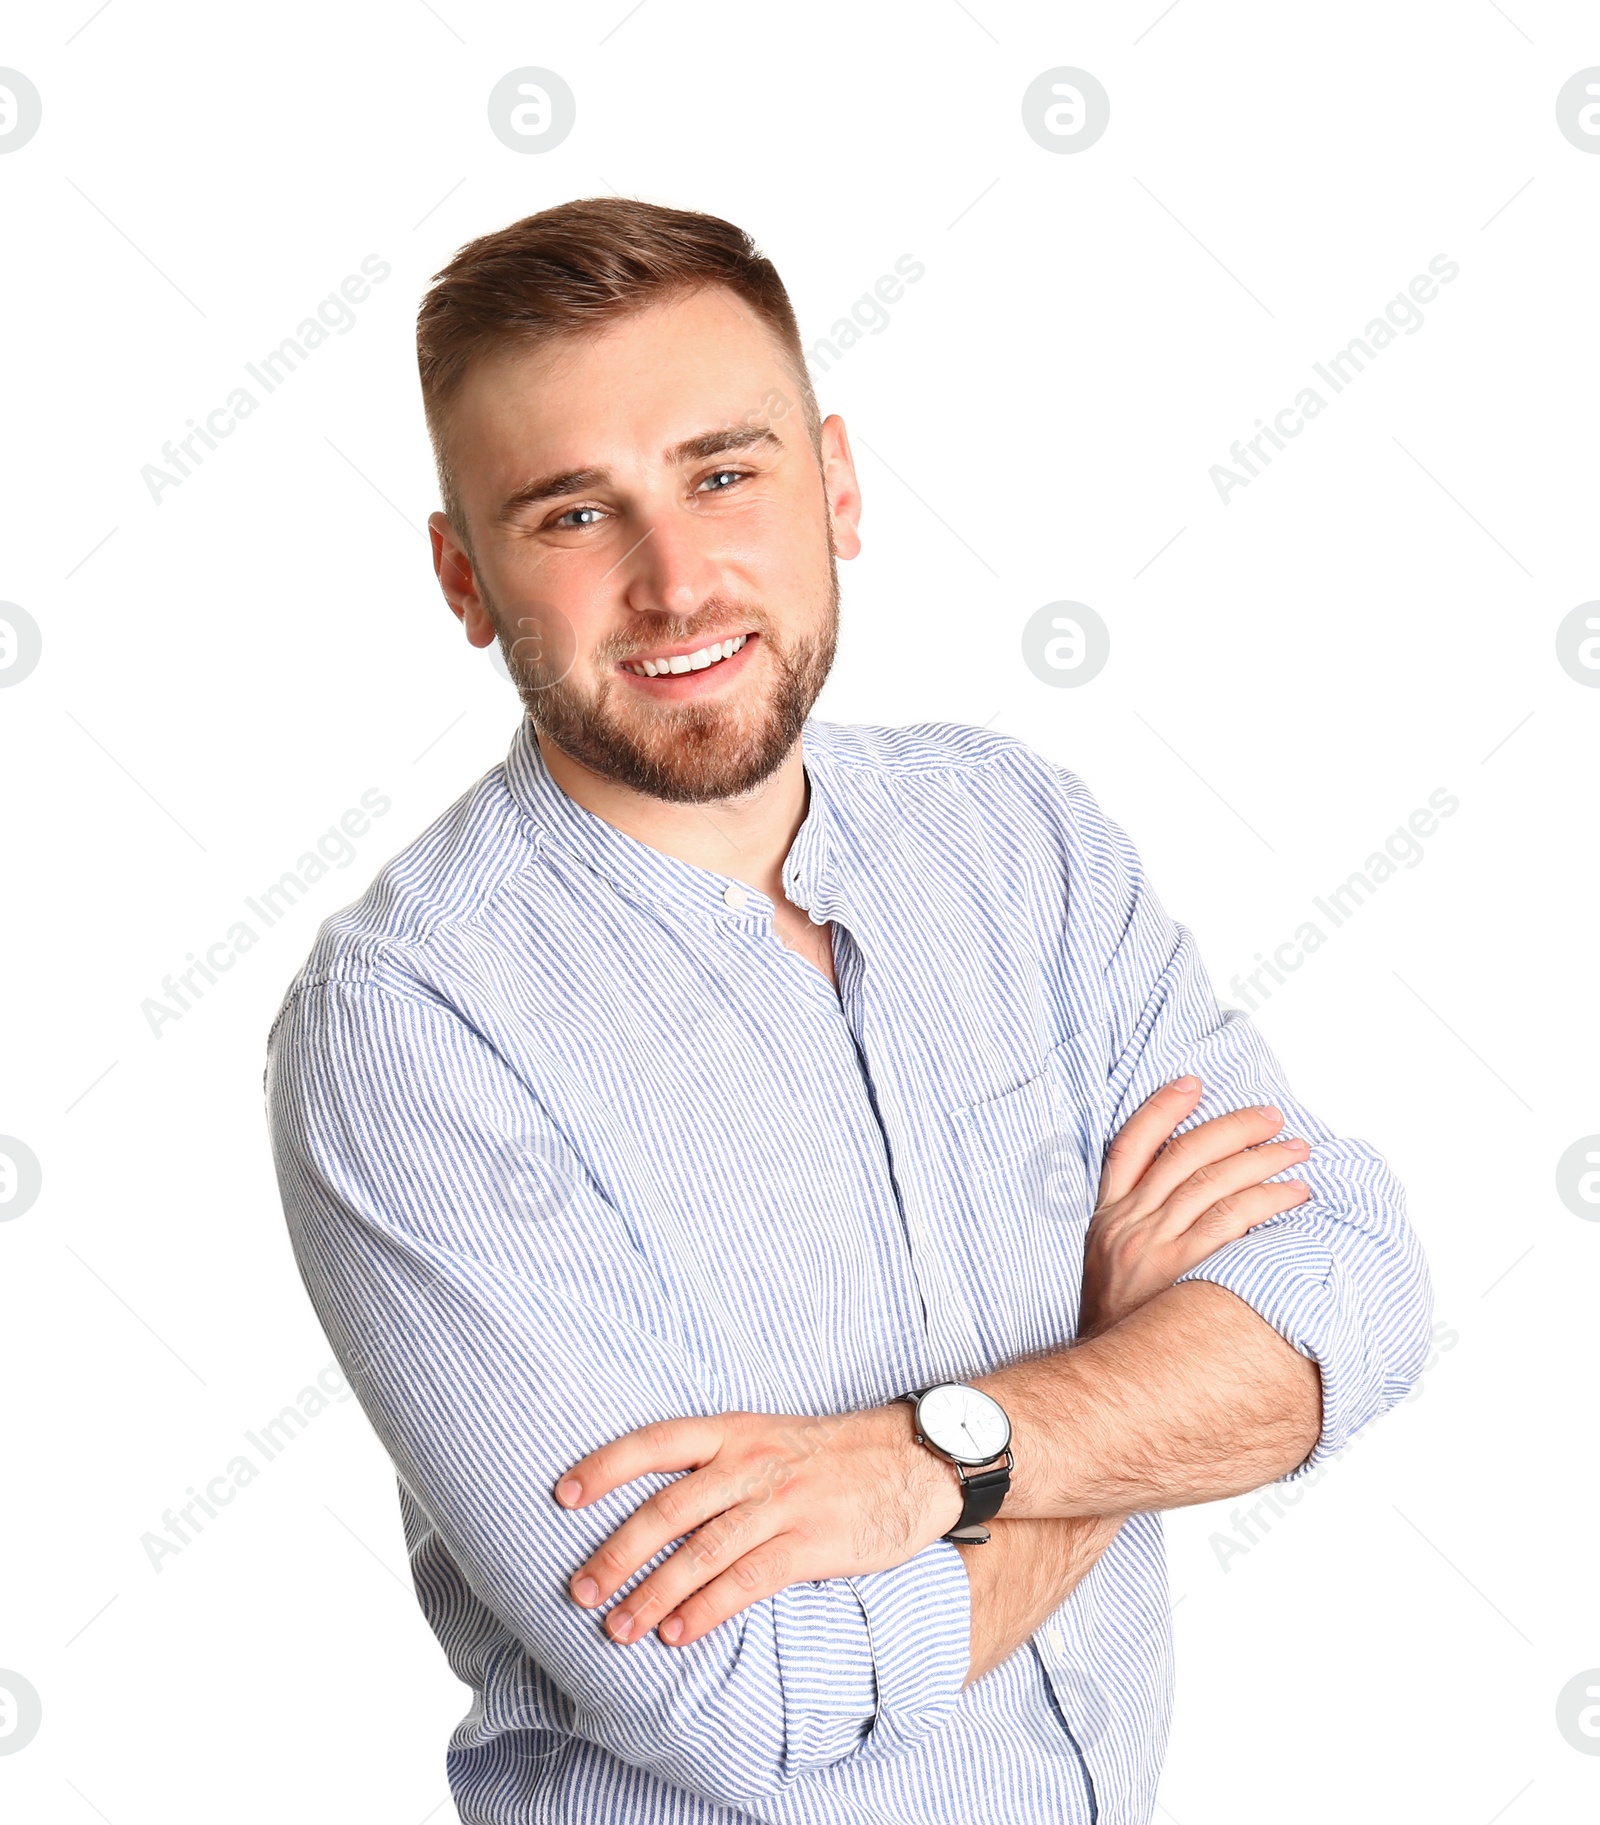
<point>550,631</point>
<point>784,552</point>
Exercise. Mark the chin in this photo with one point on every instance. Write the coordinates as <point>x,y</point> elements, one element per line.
<point>701,752</point>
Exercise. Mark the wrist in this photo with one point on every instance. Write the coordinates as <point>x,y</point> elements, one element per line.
<point>968,1430</point>
<point>932,1483</point>
<point>1035,1397</point>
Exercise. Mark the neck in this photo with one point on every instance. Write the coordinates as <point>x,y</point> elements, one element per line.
<point>746,837</point>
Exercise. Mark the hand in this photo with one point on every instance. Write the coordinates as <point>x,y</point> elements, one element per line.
<point>771,1500</point>
<point>1166,1203</point>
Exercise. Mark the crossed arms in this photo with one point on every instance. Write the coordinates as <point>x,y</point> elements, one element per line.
<point>1172,1395</point>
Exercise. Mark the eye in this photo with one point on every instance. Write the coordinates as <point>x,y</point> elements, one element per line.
<point>724,478</point>
<point>573,519</point>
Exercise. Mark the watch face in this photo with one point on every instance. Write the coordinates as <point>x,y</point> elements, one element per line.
<point>963,1423</point>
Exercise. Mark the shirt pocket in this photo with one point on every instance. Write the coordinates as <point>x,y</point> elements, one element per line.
<point>1031,1165</point>
<point>1034,1153</point>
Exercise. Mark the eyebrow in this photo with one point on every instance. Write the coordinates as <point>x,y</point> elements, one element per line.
<point>581,481</point>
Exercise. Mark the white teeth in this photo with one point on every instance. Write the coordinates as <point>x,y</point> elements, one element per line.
<point>688,662</point>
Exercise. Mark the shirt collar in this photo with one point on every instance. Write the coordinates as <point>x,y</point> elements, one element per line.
<point>654,878</point>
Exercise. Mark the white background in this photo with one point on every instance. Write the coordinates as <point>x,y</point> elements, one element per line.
<point>1371,619</point>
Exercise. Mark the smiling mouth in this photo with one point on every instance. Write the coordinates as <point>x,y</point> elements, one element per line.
<point>675,664</point>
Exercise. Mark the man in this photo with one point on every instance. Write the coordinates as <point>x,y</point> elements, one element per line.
<point>709,1080</point>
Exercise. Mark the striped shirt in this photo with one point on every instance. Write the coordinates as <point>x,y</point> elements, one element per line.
<point>569,1141</point>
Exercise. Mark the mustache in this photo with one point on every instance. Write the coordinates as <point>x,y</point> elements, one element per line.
<point>717,621</point>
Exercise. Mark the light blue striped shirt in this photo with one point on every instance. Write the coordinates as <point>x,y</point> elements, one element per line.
<point>569,1141</point>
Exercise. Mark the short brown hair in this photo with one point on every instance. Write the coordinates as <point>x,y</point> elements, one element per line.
<point>574,270</point>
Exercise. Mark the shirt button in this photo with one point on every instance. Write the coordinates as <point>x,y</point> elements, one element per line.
<point>734,897</point>
<point>918,1233</point>
<point>1053,1639</point>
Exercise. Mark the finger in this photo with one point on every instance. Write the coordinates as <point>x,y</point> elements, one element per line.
<point>1222,1222</point>
<point>1139,1139</point>
<point>760,1574</point>
<point>668,1515</point>
<point>1222,1178</point>
<point>670,1444</point>
<point>1205,1145</point>
<point>1231,1217</point>
<point>702,1559</point>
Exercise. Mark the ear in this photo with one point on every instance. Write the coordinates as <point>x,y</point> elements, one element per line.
<point>459,582</point>
<point>840,486</point>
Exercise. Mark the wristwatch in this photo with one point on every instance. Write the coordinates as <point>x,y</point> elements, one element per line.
<point>970,1429</point>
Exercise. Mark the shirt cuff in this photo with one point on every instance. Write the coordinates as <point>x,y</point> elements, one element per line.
<point>1292,1280</point>
<point>891,1646</point>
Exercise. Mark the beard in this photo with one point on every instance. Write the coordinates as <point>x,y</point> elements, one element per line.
<point>686,753</point>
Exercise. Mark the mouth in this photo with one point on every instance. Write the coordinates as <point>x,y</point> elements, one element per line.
<point>660,665</point>
<point>686,671</point>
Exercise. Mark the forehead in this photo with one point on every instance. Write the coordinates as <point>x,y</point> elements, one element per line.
<point>653,378</point>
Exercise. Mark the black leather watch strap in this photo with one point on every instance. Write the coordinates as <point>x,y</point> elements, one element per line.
<point>983,1490</point>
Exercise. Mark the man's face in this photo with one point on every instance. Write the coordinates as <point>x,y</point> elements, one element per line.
<point>638,501</point>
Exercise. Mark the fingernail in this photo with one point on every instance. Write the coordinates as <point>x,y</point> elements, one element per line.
<point>568,1490</point>
<point>621,1624</point>
<point>586,1591</point>
<point>1186,1083</point>
<point>672,1628</point>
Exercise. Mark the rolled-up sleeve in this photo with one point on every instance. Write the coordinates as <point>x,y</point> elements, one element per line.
<point>1340,1277</point>
<point>493,1340</point>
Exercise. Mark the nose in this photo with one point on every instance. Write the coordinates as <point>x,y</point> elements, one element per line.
<point>670,570</point>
